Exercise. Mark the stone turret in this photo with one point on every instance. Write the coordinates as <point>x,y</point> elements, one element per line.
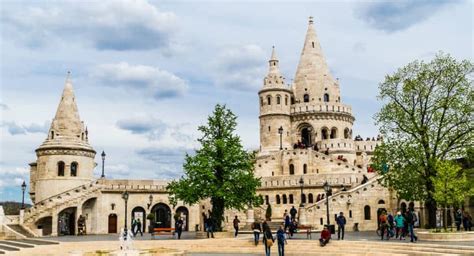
<point>65,159</point>
<point>275,97</point>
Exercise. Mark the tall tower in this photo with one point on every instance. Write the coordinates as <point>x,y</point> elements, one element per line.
<point>275,101</point>
<point>65,159</point>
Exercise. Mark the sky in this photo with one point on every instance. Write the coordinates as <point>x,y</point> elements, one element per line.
<point>146,74</point>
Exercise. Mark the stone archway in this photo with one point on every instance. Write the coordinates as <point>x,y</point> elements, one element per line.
<point>184,213</point>
<point>46,225</point>
<point>162,214</point>
<point>139,213</point>
<point>67,222</point>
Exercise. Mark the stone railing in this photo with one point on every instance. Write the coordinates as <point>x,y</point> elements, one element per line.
<point>302,108</point>
<point>309,181</point>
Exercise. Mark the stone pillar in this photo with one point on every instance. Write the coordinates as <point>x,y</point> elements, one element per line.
<point>78,214</point>
<point>302,220</point>
<point>250,216</point>
<point>54,224</point>
<point>22,216</point>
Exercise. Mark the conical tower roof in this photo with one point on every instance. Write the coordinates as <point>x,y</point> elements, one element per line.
<point>67,129</point>
<point>274,78</point>
<point>313,72</point>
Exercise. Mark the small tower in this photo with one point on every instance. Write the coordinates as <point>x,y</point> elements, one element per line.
<point>275,97</point>
<point>65,159</point>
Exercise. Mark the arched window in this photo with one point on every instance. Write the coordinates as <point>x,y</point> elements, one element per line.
<point>310,198</point>
<point>284,199</point>
<point>292,169</point>
<point>366,212</point>
<point>52,134</point>
<point>333,133</point>
<point>303,198</point>
<point>74,169</point>
<point>261,101</point>
<point>292,100</point>
<point>318,198</point>
<point>324,133</point>
<point>346,133</point>
<point>278,100</point>
<point>278,199</point>
<point>269,100</point>
<point>267,200</point>
<point>326,97</point>
<point>291,198</point>
<point>381,201</point>
<point>60,168</point>
<point>306,136</point>
<point>286,100</point>
<point>305,167</point>
<point>306,98</point>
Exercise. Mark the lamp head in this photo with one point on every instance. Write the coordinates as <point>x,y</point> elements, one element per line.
<point>23,186</point>
<point>125,195</point>
<point>327,187</point>
<point>280,130</point>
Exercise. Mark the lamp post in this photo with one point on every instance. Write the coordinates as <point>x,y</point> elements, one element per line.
<point>327,189</point>
<point>301,186</point>
<point>103,161</point>
<point>125,198</point>
<point>280,131</point>
<point>23,188</point>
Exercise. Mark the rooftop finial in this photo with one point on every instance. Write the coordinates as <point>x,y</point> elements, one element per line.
<point>310,19</point>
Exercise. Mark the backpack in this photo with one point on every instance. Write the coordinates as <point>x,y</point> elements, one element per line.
<point>414,218</point>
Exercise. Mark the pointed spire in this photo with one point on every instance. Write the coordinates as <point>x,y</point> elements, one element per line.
<point>274,57</point>
<point>67,121</point>
<point>274,77</point>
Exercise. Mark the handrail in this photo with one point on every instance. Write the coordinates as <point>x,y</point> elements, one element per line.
<point>67,191</point>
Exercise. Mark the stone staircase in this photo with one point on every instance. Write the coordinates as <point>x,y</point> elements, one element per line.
<point>21,230</point>
<point>9,246</point>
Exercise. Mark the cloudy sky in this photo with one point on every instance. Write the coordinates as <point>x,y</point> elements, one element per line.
<point>147,73</point>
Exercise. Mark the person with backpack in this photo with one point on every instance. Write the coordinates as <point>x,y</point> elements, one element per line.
<point>281,241</point>
<point>383,224</point>
<point>341,223</point>
<point>256,231</point>
<point>411,219</point>
<point>399,224</point>
<point>268,239</point>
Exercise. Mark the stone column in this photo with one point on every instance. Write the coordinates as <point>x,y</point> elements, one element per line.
<point>54,224</point>
<point>250,215</point>
<point>302,220</point>
<point>22,216</point>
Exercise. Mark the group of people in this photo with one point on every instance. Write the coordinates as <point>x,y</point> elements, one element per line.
<point>137,227</point>
<point>399,226</point>
<point>268,239</point>
<point>463,217</point>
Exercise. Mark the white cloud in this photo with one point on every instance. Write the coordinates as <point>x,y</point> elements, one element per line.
<point>15,129</point>
<point>240,67</point>
<point>149,80</point>
<point>104,25</point>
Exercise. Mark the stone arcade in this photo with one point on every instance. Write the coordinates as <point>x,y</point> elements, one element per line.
<point>306,139</point>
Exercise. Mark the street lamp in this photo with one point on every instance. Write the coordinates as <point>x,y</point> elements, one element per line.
<point>23,188</point>
<point>327,189</point>
<point>301,186</point>
<point>103,161</point>
<point>151,201</point>
<point>125,198</point>
<point>280,131</point>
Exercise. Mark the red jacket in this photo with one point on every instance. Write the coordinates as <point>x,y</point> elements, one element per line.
<point>326,235</point>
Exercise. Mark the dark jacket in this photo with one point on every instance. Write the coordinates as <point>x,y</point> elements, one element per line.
<point>256,226</point>
<point>341,220</point>
<point>281,236</point>
<point>293,212</point>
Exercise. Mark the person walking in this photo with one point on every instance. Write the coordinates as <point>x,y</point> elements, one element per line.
<point>468,221</point>
<point>256,231</point>
<point>179,227</point>
<point>383,224</point>
<point>293,212</point>
<point>204,221</point>
<point>465,221</point>
<point>268,239</point>
<point>325,236</point>
<point>139,227</point>
<point>236,225</point>
<point>399,224</point>
<point>281,240</point>
<point>210,226</point>
<point>411,219</point>
<point>134,227</point>
<point>287,221</point>
<point>458,219</point>
<point>292,228</point>
<point>390,222</point>
<point>341,223</point>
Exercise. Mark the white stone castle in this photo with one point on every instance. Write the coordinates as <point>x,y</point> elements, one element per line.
<point>306,139</point>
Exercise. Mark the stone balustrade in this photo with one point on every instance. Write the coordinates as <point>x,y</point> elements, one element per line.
<point>307,107</point>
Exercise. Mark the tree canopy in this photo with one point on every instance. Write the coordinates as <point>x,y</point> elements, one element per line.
<point>221,170</point>
<point>427,116</point>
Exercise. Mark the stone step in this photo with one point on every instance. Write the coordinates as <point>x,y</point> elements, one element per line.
<point>19,229</point>
<point>8,248</point>
<point>16,244</point>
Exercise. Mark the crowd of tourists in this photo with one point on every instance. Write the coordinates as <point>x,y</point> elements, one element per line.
<point>399,226</point>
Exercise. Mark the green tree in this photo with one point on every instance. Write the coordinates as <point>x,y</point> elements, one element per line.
<point>427,116</point>
<point>451,186</point>
<point>221,170</point>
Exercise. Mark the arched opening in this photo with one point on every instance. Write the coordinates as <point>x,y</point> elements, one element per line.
<point>403,207</point>
<point>326,97</point>
<point>324,133</point>
<point>306,136</point>
<point>46,225</point>
<point>310,198</point>
<point>52,134</point>
<point>182,212</point>
<point>261,101</point>
<point>269,100</point>
<point>286,100</point>
<point>267,200</point>
<point>366,212</point>
<point>162,214</point>
<point>346,133</point>
<point>285,201</point>
<point>278,199</point>
<point>292,169</point>
<point>67,222</point>
<point>318,198</point>
<point>278,100</point>
<point>333,133</point>
<point>381,201</point>
<point>306,98</point>
<point>74,166</point>
<point>411,206</point>
<point>88,209</point>
<point>303,198</point>
<point>292,100</point>
<point>291,198</point>
<point>138,213</point>
<point>112,223</point>
<point>60,168</point>
<point>305,168</point>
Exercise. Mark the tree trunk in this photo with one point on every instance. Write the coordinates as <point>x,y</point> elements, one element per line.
<point>218,212</point>
<point>430,205</point>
